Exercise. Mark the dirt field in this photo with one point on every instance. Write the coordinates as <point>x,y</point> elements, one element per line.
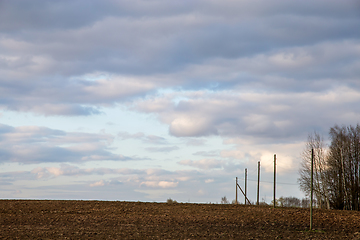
<point>25,219</point>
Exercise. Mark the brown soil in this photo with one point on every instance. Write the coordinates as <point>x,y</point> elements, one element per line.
<point>30,219</point>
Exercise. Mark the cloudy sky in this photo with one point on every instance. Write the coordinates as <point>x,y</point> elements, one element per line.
<point>155,99</point>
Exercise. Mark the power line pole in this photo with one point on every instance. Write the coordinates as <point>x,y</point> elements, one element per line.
<point>245,184</point>
<point>246,199</point>
<point>274,180</point>
<point>258,184</point>
<point>311,187</point>
<point>236,191</point>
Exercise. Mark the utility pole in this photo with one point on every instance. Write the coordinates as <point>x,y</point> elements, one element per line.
<point>245,184</point>
<point>246,199</point>
<point>258,184</point>
<point>311,187</point>
<point>274,180</point>
<point>236,198</point>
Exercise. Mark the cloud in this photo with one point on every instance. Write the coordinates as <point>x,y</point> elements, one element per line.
<point>103,183</point>
<point>152,178</point>
<point>98,184</point>
<point>161,184</point>
<point>191,126</point>
<point>150,174</point>
<point>56,62</point>
<point>259,115</point>
<point>46,172</point>
<point>71,170</point>
<point>195,142</point>
<point>126,135</point>
<point>32,144</point>
<point>181,184</point>
<point>209,180</point>
<point>150,139</point>
<point>249,153</point>
<point>204,163</point>
<point>207,153</point>
<point>75,98</point>
<point>162,149</point>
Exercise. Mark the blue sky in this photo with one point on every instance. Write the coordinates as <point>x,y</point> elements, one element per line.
<point>150,100</point>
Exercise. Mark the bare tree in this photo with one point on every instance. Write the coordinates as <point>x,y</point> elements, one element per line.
<point>320,185</point>
<point>305,203</point>
<point>343,163</point>
<point>292,202</point>
<point>224,200</point>
<point>287,202</point>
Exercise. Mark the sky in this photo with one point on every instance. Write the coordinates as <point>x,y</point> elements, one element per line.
<point>146,100</point>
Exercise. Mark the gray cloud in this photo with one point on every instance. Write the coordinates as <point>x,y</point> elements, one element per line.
<point>71,170</point>
<point>207,153</point>
<point>270,116</point>
<point>49,54</point>
<point>204,163</point>
<point>212,180</point>
<point>162,149</point>
<point>195,142</point>
<point>31,144</point>
<point>150,139</point>
<point>143,178</point>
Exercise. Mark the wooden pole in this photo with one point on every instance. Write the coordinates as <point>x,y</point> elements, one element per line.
<point>236,198</point>
<point>274,180</point>
<point>244,194</point>
<point>245,184</point>
<point>258,184</point>
<point>311,187</point>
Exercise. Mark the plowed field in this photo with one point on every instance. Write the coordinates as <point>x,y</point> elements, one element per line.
<point>32,219</point>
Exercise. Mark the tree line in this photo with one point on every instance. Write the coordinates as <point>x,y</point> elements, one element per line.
<point>336,182</point>
<point>280,202</point>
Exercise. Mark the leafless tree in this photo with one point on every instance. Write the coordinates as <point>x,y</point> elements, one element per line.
<point>292,202</point>
<point>343,167</point>
<point>224,200</point>
<point>320,183</point>
<point>305,203</point>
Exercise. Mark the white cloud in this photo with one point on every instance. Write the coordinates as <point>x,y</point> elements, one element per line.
<point>55,171</point>
<point>151,139</point>
<point>32,144</point>
<point>162,149</point>
<point>204,163</point>
<point>261,115</point>
<point>288,155</point>
<point>162,184</point>
<point>182,185</point>
<point>117,88</point>
<point>98,184</point>
<point>209,180</point>
<point>195,45</point>
<point>191,126</point>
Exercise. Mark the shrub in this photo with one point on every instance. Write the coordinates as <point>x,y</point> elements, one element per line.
<point>170,201</point>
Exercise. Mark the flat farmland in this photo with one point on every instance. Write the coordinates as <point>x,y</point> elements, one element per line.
<point>43,219</point>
